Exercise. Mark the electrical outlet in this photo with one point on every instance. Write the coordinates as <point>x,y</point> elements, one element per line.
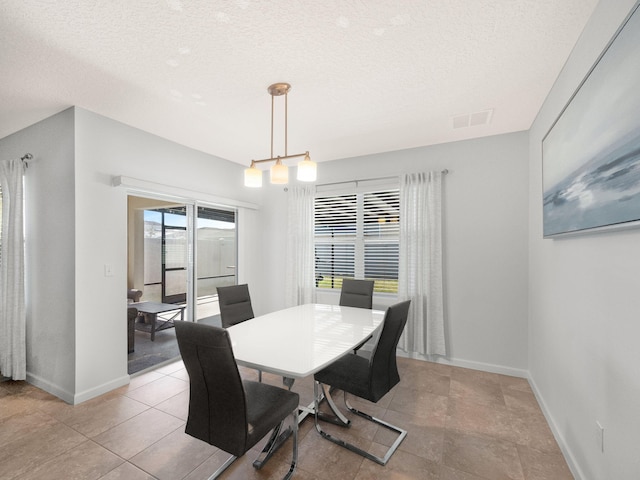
<point>600,436</point>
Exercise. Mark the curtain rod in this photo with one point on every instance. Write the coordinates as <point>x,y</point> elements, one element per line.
<point>444,172</point>
<point>25,157</point>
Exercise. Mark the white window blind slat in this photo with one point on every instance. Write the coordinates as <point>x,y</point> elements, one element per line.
<point>356,236</point>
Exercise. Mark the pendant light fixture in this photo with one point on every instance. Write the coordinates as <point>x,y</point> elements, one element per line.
<point>279,174</point>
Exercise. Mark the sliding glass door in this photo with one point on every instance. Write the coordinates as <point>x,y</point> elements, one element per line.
<point>180,253</point>
<point>216,256</point>
<point>175,259</point>
<point>166,261</point>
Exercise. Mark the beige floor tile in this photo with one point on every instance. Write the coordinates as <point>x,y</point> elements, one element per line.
<point>87,461</point>
<point>159,390</point>
<point>467,416</point>
<point>319,455</point>
<point>426,380</point>
<point>93,418</point>
<point>242,469</point>
<point>210,465</point>
<point>402,465</point>
<point>477,390</point>
<point>520,401</point>
<point>448,473</point>
<point>532,430</point>
<point>126,471</point>
<point>20,404</point>
<point>170,368</point>
<point>423,438</point>
<point>487,457</point>
<point>136,434</point>
<point>406,365</point>
<point>462,425</point>
<point>18,425</point>
<point>420,404</point>
<point>474,376</point>
<point>182,374</point>
<point>36,448</point>
<point>514,383</point>
<point>174,456</point>
<point>139,380</point>
<point>178,405</point>
<point>543,466</point>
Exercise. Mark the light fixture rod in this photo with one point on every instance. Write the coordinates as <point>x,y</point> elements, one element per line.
<point>273,159</point>
<point>279,172</point>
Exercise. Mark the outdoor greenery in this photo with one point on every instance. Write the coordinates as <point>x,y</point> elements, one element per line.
<point>380,286</point>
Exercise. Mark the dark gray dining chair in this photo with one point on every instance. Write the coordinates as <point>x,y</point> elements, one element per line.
<point>356,293</point>
<point>235,307</point>
<point>235,304</point>
<point>369,378</point>
<point>226,411</point>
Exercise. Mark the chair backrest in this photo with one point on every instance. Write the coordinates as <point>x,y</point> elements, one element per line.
<point>235,304</point>
<point>356,293</point>
<point>217,404</point>
<point>383,369</point>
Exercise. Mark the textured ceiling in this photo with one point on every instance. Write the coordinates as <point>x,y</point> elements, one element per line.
<point>367,76</point>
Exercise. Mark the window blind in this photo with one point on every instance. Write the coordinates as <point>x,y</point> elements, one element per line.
<point>356,236</point>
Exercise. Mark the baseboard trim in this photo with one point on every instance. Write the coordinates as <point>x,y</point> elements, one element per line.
<point>49,387</point>
<point>566,451</point>
<point>76,398</point>
<point>457,362</point>
<point>100,389</point>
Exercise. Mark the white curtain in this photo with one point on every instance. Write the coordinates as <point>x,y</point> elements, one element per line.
<point>299,250</point>
<point>13,352</point>
<point>420,263</point>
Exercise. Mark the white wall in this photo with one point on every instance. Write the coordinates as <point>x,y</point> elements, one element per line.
<point>485,242</point>
<point>584,332</point>
<point>50,247</point>
<point>105,148</point>
<point>77,224</point>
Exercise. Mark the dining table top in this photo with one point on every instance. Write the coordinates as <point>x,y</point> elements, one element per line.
<point>299,341</point>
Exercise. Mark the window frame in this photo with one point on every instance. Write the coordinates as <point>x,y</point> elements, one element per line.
<point>359,189</point>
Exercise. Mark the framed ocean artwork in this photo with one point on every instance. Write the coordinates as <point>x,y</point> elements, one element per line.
<point>591,154</point>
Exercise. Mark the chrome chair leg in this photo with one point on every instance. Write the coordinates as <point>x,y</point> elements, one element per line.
<point>276,440</point>
<point>339,418</point>
<point>223,467</point>
<point>380,460</point>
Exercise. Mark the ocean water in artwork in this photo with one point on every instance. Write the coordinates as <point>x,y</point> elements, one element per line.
<point>604,191</point>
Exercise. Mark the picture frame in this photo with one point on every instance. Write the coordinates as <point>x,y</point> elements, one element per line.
<point>591,153</point>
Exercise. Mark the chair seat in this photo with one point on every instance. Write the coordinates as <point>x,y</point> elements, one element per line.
<point>268,404</point>
<point>349,373</point>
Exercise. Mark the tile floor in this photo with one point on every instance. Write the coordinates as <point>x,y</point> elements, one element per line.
<point>462,424</point>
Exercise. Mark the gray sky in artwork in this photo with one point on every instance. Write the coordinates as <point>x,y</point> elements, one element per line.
<point>604,111</point>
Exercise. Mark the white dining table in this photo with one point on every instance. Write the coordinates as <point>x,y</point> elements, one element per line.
<point>297,342</point>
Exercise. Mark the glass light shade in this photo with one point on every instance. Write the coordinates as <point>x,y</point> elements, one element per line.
<point>252,177</point>
<point>307,170</point>
<point>279,173</point>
